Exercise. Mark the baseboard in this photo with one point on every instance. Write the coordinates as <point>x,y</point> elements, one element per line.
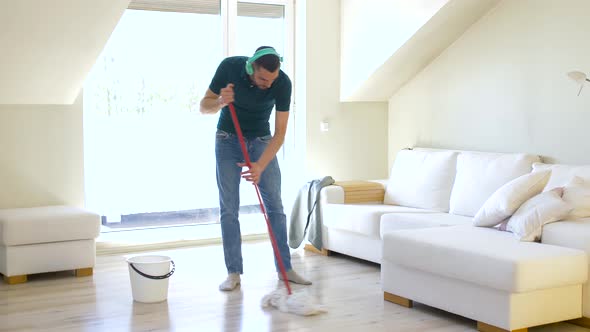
<point>583,322</point>
<point>111,248</point>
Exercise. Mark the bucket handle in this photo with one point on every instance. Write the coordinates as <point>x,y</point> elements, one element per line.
<point>167,275</point>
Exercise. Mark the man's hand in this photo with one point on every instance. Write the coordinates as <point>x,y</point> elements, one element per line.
<point>226,95</point>
<point>212,102</point>
<point>253,173</point>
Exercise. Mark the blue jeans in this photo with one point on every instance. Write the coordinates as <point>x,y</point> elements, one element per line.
<point>227,154</point>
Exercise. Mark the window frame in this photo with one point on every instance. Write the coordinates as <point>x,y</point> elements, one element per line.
<point>230,8</point>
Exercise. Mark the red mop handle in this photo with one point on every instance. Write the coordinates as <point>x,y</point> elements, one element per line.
<point>273,240</point>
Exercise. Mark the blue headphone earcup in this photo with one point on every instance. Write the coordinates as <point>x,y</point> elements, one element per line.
<point>249,69</point>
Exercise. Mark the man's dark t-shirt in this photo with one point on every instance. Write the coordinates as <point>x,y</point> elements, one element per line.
<point>253,105</point>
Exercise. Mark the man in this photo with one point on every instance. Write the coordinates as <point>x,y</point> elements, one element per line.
<point>254,85</point>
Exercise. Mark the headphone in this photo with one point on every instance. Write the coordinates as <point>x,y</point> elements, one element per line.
<point>257,55</point>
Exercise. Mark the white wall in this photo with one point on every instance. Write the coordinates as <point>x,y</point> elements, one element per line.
<point>373,30</point>
<point>41,155</point>
<point>355,147</point>
<point>502,86</point>
<point>48,47</point>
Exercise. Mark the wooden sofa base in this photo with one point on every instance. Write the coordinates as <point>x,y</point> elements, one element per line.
<point>20,279</point>
<point>85,272</point>
<point>398,300</point>
<point>13,280</point>
<point>311,248</point>
<point>483,327</point>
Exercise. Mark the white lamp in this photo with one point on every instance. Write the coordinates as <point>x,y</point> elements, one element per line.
<point>579,78</point>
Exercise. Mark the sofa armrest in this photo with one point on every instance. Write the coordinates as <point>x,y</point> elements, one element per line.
<point>332,195</point>
<point>361,191</point>
<point>382,182</point>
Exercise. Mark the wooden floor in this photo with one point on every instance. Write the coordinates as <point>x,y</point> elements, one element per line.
<point>349,288</point>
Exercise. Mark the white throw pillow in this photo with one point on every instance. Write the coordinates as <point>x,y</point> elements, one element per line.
<point>422,179</point>
<point>561,174</point>
<point>508,198</point>
<point>577,193</point>
<point>547,207</point>
<point>480,174</point>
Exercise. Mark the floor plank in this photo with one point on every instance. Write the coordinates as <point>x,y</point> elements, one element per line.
<point>349,288</point>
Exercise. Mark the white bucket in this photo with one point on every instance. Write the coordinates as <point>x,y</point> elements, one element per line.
<point>149,277</point>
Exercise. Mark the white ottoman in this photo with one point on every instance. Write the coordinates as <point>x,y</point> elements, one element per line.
<point>485,275</point>
<point>47,239</point>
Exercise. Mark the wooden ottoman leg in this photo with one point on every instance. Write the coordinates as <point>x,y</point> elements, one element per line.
<point>324,252</point>
<point>15,279</point>
<point>398,300</point>
<point>483,327</point>
<point>85,272</point>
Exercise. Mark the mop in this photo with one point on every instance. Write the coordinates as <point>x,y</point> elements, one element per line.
<point>300,303</point>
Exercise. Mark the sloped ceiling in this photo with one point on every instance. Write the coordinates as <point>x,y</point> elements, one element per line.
<point>445,26</point>
<point>48,47</point>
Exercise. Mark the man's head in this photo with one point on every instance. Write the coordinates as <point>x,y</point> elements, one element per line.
<point>265,68</point>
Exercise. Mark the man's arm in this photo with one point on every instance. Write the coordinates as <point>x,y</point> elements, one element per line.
<point>281,120</point>
<point>258,166</point>
<point>212,102</point>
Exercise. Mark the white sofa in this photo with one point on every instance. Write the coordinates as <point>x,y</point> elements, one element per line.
<point>421,233</point>
<point>47,239</point>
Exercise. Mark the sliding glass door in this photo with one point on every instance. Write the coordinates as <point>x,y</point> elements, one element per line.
<point>149,153</point>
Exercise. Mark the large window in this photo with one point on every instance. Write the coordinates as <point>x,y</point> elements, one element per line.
<point>149,153</point>
<point>267,24</point>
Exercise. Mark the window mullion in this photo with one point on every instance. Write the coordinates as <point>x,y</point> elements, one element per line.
<point>230,26</point>
<point>224,22</point>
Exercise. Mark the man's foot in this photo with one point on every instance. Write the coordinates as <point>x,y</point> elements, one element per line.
<point>292,276</point>
<point>232,281</point>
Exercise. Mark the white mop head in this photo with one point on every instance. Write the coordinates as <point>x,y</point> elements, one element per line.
<point>299,303</point>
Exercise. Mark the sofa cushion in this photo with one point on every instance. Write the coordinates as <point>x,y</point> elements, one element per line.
<point>562,174</point>
<point>480,174</point>
<point>486,257</point>
<point>47,224</point>
<point>396,221</point>
<point>361,218</point>
<point>509,197</point>
<point>422,179</point>
<point>528,221</point>
<point>569,233</point>
<point>577,193</point>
